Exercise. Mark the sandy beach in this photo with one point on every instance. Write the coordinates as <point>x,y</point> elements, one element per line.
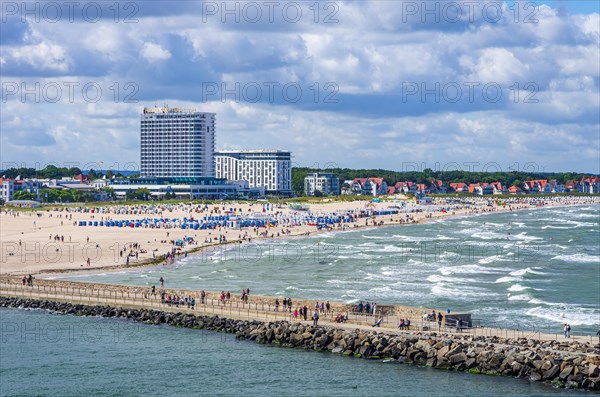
<point>51,240</point>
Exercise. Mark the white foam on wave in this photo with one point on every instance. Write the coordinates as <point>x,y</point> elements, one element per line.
<point>530,270</point>
<point>488,235</point>
<point>517,288</point>
<point>460,292</point>
<point>436,278</point>
<point>579,257</point>
<point>557,227</point>
<point>469,269</point>
<point>507,280</point>
<point>572,315</point>
<point>523,297</point>
<point>495,258</point>
<point>325,235</point>
<point>414,238</point>
<point>523,236</point>
<point>588,216</point>
<point>393,248</point>
<point>374,237</point>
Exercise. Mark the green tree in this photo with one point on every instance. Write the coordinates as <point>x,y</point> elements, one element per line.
<point>23,195</point>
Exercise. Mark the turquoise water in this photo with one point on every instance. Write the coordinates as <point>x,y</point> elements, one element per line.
<point>531,270</point>
<point>50,355</point>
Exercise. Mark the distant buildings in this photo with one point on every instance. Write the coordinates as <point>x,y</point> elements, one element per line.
<point>177,143</point>
<point>267,169</point>
<point>590,185</point>
<point>184,188</point>
<point>8,187</point>
<point>327,183</point>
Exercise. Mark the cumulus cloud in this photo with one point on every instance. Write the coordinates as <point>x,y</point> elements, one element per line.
<point>154,52</point>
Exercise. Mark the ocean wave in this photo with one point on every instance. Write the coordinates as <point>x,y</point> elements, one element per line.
<point>523,236</point>
<point>469,269</point>
<point>588,216</point>
<point>496,258</point>
<point>487,235</point>
<point>517,288</point>
<point>461,293</point>
<point>557,227</point>
<point>436,278</point>
<point>523,297</point>
<point>507,279</point>
<point>581,258</point>
<point>530,270</point>
<point>572,315</point>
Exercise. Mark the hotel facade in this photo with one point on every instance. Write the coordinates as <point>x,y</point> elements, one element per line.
<point>268,169</point>
<point>177,143</point>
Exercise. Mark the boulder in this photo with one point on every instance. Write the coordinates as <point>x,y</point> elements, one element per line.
<point>535,376</point>
<point>552,372</point>
<point>458,358</point>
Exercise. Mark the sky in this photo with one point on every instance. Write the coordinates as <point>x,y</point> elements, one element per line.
<point>400,85</point>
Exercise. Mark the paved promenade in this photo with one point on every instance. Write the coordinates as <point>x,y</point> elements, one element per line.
<point>260,308</point>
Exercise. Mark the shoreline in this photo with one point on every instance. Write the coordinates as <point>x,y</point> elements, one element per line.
<point>53,247</point>
<point>149,263</point>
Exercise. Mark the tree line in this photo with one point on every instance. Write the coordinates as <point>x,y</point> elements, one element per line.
<point>512,178</point>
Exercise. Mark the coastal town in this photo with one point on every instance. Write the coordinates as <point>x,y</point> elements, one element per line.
<point>327,198</point>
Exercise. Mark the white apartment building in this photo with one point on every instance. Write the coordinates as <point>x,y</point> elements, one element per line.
<point>269,169</point>
<point>177,142</point>
<point>326,183</point>
<point>7,189</point>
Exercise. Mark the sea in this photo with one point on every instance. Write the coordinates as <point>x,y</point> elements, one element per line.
<point>43,354</point>
<point>531,270</point>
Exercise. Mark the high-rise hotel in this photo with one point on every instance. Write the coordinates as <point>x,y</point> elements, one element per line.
<point>177,143</point>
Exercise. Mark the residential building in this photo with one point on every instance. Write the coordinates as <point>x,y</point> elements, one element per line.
<point>590,184</point>
<point>459,187</point>
<point>571,185</point>
<point>556,186</point>
<point>537,186</point>
<point>373,186</point>
<point>8,189</point>
<point>403,187</point>
<point>437,186</point>
<point>268,169</point>
<point>326,183</point>
<point>514,190</point>
<point>177,143</point>
<point>498,188</point>
<point>346,188</point>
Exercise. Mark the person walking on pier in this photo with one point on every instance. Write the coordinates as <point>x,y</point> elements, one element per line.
<point>305,312</point>
<point>316,318</point>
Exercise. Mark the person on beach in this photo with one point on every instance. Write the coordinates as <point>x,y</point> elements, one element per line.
<point>378,322</point>
<point>439,320</point>
<point>162,282</point>
<point>567,330</point>
<point>315,318</point>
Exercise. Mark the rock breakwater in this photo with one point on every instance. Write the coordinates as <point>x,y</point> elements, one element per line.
<point>571,365</point>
